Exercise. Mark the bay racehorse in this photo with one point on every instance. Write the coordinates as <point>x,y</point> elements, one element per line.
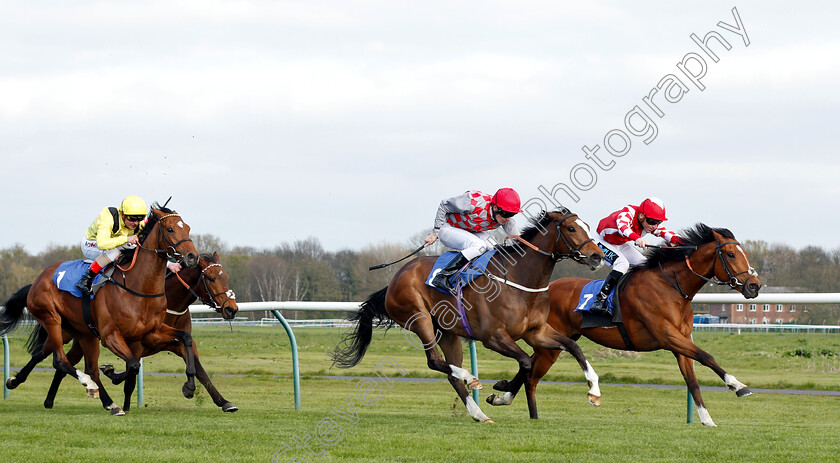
<point>497,314</point>
<point>207,282</point>
<point>124,311</point>
<point>656,309</point>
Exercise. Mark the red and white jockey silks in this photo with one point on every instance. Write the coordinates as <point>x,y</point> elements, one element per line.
<point>623,226</point>
<point>479,216</point>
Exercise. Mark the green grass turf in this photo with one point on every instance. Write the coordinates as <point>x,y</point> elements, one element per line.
<point>425,421</point>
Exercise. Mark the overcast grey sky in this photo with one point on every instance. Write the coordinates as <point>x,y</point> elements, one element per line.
<point>349,121</point>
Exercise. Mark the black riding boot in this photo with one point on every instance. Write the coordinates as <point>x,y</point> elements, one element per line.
<point>441,280</point>
<point>85,281</point>
<point>600,305</point>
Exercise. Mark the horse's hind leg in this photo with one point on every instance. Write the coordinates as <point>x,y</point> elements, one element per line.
<point>542,360</point>
<point>420,324</point>
<point>90,349</point>
<point>62,364</point>
<point>73,356</point>
<point>547,337</point>
<point>21,376</point>
<point>687,370</point>
<point>451,346</point>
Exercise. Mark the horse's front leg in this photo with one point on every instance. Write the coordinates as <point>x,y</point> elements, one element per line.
<point>502,343</point>
<point>203,377</point>
<point>165,335</point>
<point>678,343</point>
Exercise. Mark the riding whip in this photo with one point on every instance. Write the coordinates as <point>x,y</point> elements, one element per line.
<point>394,262</point>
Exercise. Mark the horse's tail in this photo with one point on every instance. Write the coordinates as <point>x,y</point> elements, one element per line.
<point>354,344</point>
<point>12,312</point>
<point>36,340</point>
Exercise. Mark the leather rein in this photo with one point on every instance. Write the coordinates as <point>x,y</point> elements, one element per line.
<point>574,253</point>
<point>733,281</point>
<point>174,254</point>
<point>212,301</point>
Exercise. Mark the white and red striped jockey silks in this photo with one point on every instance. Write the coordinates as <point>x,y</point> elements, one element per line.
<point>480,218</point>
<point>623,225</point>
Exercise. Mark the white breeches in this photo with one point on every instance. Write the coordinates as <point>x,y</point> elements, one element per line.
<point>470,244</point>
<point>626,255</point>
<point>92,252</point>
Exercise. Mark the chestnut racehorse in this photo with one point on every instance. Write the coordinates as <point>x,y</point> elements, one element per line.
<point>655,308</point>
<point>207,282</point>
<point>501,309</point>
<point>124,312</point>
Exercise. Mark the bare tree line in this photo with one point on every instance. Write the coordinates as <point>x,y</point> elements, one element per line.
<point>305,271</point>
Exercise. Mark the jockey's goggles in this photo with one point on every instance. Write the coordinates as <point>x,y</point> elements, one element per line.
<point>134,218</point>
<point>652,221</point>
<point>505,214</point>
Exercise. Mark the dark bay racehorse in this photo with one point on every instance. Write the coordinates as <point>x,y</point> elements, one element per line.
<point>207,282</point>
<point>656,309</point>
<point>509,303</point>
<point>128,311</point>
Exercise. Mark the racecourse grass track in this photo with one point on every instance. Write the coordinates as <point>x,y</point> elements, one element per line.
<point>422,421</point>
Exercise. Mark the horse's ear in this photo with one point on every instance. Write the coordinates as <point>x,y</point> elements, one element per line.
<point>215,256</point>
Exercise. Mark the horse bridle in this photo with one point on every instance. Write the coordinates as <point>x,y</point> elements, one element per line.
<point>173,254</point>
<point>733,282</point>
<point>574,253</point>
<point>203,280</point>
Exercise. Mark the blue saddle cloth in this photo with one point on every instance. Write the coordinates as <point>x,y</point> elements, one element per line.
<point>587,296</point>
<point>68,273</point>
<point>473,271</point>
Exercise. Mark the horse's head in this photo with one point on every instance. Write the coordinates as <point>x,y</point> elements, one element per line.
<point>173,235</point>
<point>573,239</point>
<point>733,267</point>
<point>214,289</point>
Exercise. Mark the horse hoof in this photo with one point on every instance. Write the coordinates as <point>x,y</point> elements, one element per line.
<point>106,369</point>
<point>229,407</point>
<point>490,399</point>
<point>475,385</point>
<point>501,385</point>
<point>488,421</point>
<point>11,383</point>
<point>117,411</point>
<point>594,400</point>
<point>743,392</point>
<point>48,405</point>
<point>93,393</point>
<point>188,392</point>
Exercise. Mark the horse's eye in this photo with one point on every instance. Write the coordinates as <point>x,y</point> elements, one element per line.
<point>211,279</point>
<point>571,229</point>
<point>731,255</point>
<point>170,230</point>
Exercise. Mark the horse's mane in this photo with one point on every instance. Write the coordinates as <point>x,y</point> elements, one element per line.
<point>151,221</point>
<point>535,225</point>
<point>697,235</point>
<point>209,257</point>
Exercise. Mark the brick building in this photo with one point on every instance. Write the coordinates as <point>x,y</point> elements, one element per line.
<point>749,312</point>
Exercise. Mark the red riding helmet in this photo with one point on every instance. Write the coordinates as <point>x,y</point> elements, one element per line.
<point>507,200</point>
<point>653,208</point>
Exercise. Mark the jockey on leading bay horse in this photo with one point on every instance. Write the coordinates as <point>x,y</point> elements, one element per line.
<point>462,223</point>
<point>618,232</point>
